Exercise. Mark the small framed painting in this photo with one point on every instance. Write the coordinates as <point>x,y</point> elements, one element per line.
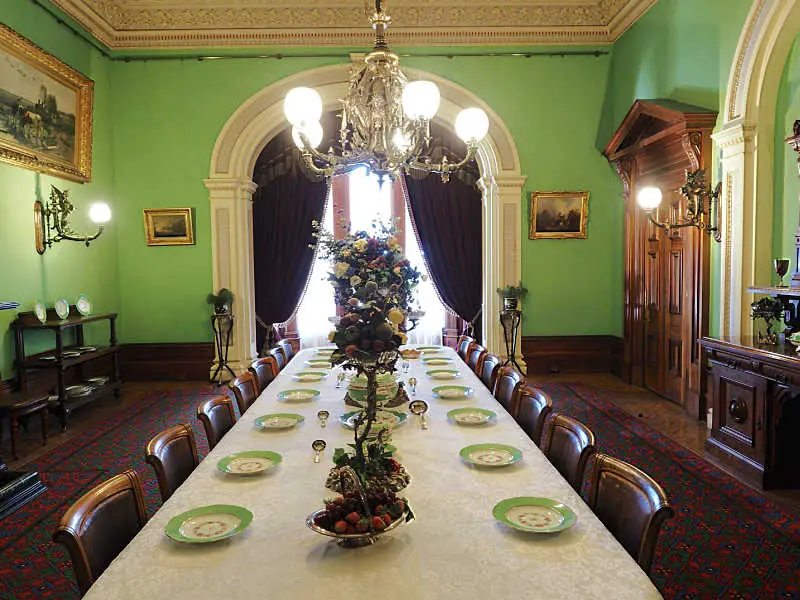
<point>558,215</point>
<point>168,226</point>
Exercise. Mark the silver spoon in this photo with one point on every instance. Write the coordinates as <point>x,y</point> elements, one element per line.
<point>412,381</point>
<point>420,407</point>
<point>318,446</point>
<point>323,418</point>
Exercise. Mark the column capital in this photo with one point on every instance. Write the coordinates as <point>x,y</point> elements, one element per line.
<point>240,187</point>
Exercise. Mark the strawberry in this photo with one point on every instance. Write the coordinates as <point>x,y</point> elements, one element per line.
<point>380,509</point>
<point>378,524</point>
<point>340,526</point>
<point>363,525</point>
<point>387,519</point>
<point>353,518</point>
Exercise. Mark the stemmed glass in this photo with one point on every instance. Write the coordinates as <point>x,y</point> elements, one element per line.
<point>781,269</point>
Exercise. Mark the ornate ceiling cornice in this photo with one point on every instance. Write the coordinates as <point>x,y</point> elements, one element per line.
<point>163,24</point>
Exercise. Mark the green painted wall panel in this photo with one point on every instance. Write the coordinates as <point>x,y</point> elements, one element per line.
<point>68,269</point>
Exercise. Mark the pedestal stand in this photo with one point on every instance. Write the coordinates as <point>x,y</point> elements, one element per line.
<point>222,324</point>
<point>510,319</point>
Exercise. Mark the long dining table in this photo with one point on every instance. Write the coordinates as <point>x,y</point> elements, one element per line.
<point>454,549</point>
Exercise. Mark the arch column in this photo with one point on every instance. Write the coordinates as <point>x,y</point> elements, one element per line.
<point>232,247</point>
<point>261,117</point>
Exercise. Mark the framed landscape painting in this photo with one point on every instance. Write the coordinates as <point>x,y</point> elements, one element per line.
<point>168,226</point>
<point>559,215</point>
<point>45,111</point>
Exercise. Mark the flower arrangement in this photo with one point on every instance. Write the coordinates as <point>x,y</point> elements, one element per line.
<point>370,267</point>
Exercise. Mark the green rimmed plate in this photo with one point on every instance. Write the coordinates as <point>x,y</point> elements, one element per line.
<point>442,373</point>
<point>435,361</point>
<point>250,462</point>
<point>471,416</point>
<point>429,348</point>
<point>452,392</point>
<point>310,375</point>
<point>383,418</point>
<point>534,515</point>
<point>40,310</point>
<point>325,351</point>
<point>84,305</point>
<point>278,421</point>
<point>491,455</point>
<point>318,363</point>
<point>62,308</point>
<point>298,395</point>
<point>207,524</point>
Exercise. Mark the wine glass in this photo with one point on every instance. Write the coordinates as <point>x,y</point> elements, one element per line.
<point>781,269</point>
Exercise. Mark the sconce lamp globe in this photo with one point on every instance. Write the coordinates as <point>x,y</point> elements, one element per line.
<point>649,198</point>
<point>472,125</point>
<point>311,129</point>
<point>302,104</point>
<point>100,213</point>
<point>421,100</point>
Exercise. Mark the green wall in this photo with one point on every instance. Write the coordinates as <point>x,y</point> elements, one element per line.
<point>787,182</point>
<point>680,50</point>
<point>68,269</point>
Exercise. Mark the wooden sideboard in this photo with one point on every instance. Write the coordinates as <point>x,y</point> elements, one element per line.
<point>755,396</point>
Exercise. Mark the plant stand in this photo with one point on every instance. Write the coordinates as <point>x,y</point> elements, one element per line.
<point>222,324</point>
<point>510,319</point>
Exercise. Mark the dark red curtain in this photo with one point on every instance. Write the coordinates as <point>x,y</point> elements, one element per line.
<point>448,219</point>
<point>285,204</point>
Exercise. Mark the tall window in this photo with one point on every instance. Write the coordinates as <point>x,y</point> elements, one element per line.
<point>361,201</point>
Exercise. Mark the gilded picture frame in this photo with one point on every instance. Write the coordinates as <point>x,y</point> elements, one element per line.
<point>168,226</point>
<point>45,111</point>
<point>559,215</point>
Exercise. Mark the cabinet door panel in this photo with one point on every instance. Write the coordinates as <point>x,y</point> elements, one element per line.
<point>739,411</point>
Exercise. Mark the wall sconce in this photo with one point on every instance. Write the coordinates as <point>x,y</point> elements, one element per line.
<point>702,206</point>
<point>51,220</point>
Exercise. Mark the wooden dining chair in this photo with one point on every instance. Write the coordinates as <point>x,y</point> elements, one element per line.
<point>217,416</point>
<point>173,455</point>
<point>245,390</point>
<point>534,406</point>
<point>475,357</point>
<point>489,368</point>
<point>631,505</point>
<point>288,349</point>
<point>96,528</point>
<point>464,343</point>
<point>506,389</point>
<point>265,369</point>
<point>279,356</point>
<point>568,444</point>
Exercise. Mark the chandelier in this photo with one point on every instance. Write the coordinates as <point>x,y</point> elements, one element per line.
<point>385,120</point>
<point>702,205</point>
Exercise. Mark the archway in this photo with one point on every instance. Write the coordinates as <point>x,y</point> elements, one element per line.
<point>261,117</point>
<point>746,138</point>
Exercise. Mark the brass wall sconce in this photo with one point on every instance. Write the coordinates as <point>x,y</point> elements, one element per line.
<point>51,220</point>
<point>702,206</point>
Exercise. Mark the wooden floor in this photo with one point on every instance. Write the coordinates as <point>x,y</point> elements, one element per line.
<point>663,415</point>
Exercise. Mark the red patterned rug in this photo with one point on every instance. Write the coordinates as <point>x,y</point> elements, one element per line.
<point>726,540</point>
<point>31,566</point>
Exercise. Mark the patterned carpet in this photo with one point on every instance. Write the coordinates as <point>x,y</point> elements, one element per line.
<point>725,541</point>
<point>31,566</point>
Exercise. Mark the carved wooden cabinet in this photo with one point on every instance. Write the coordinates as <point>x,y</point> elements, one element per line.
<point>755,398</point>
<point>666,275</point>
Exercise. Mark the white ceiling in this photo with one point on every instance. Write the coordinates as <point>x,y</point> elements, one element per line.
<point>139,24</point>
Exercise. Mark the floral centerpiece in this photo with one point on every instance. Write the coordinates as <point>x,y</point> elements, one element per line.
<point>370,267</point>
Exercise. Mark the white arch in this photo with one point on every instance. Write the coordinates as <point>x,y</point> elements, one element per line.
<point>260,118</point>
<point>746,138</point>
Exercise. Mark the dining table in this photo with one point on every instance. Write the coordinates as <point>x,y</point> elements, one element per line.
<point>453,549</point>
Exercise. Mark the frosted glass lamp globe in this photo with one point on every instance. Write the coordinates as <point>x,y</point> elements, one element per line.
<point>100,213</point>
<point>421,99</point>
<point>649,198</point>
<point>302,104</point>
<point>312,131</point>
<point>472,125</point>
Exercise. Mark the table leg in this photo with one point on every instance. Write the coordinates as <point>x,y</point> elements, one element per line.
<point>14,436</point>
<point>43,417</point>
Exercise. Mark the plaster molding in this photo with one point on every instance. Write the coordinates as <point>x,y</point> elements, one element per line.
<point>163,24</point>
<point>260,117</point>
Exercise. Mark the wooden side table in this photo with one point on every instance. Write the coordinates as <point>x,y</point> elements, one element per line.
<point>20,404</point>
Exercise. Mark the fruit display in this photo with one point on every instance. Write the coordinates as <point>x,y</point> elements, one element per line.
<point>393,477</point>
<point>347,515</point>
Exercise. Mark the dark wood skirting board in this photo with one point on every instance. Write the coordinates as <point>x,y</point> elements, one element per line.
<point>573,354</point>
<point>164,362</point>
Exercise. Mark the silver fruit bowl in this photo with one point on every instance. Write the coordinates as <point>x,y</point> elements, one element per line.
<point>354,540</point>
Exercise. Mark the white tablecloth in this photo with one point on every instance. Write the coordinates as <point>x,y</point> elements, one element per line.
<point>454,549</point>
